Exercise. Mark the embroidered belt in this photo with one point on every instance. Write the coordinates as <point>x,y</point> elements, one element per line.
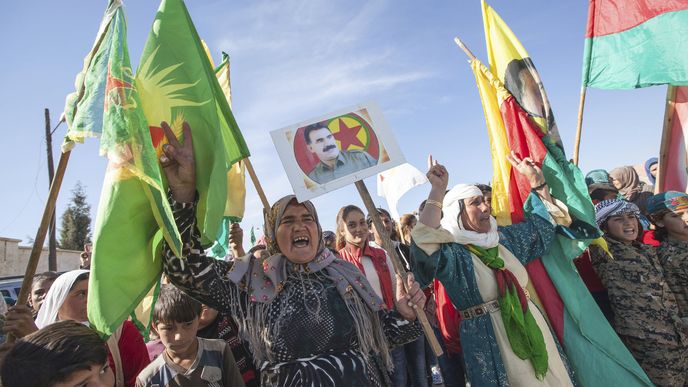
<point>486,308</point>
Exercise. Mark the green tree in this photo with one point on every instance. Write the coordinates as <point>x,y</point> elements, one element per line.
<point>75,230</point>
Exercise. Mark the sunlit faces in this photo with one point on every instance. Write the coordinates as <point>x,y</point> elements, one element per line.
<point>95,376</point>
<point>207,317</point>
<point>653,169</point>
<point>74,306</point>
<point>476,214</point>
<point>38,291</point>
<point>179,338</point>
<point>487,197</point>
<point>355,228</point>
<point>323,144</point>
<point>616,183</point>
<point>624,228</point>
<point>387,223</point>
<point>297,234</point>
<point>676,224</point>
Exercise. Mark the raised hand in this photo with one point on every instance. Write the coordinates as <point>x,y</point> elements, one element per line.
<point>236,240</point>
<point>437,175</point>
<point>407,302</point>
<point>179,164</point>
<point>527,168</point>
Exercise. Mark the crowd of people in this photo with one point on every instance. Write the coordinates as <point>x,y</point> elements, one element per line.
<point>309,307</point>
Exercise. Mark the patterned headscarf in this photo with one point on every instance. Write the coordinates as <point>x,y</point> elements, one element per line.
<point>274,217</point>
<point>667,201</point>
<point>630,182</point>
<point>613,207</point>
<point>451,209</point>
<point>264,280</point>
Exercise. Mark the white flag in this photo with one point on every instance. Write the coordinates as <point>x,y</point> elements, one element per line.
<point>393,183</point>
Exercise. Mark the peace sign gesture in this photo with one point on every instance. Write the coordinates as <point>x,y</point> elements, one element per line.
<point>179,165</point>
<point>527,168</point>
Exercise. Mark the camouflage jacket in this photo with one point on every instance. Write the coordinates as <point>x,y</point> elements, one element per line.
<point>644,305</point>
<point>674,257</point>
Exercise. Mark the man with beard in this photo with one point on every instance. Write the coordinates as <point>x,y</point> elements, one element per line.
<point>334,163</point>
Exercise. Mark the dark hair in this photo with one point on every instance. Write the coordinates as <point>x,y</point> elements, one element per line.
<point>79,278</point>
<point>175,306</point>
<point>484,188</point>
<point>600,194</point>
<point>52,354</point>
<point>313,127</point>
<point>341,224</point>
<point>381,211</point>
<point>46,275</point>
<point>661,233</point>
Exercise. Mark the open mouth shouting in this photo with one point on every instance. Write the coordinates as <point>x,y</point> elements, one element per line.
<point>301,241</point>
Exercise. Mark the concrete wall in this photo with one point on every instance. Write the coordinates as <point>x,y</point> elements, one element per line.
<point>13,258</point>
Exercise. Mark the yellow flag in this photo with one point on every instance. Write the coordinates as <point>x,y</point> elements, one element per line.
<point>236,177</point>
<point>510,62</point>
<point>491,95</point>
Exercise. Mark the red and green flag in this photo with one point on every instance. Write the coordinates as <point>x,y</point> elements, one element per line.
<point>133,214</point>
<point>178,83</point>
<point>595,352</point>
<point>631,44</point>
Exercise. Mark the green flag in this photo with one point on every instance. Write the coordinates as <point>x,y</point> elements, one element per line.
<point>177,83</point>
<point>133,214</point>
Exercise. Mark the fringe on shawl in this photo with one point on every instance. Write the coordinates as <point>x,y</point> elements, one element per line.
<point>257,330</point>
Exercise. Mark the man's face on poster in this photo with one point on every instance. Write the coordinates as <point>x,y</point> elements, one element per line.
<point>323,144</point>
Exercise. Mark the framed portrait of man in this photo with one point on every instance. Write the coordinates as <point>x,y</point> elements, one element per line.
<point>337,149</point>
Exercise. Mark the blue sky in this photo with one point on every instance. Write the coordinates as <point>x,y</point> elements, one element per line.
<point>293,60</point>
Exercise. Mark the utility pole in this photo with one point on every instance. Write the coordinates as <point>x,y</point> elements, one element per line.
<point>52,242</point>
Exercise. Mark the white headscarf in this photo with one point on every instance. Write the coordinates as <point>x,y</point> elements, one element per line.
<point>452,223</point>
<point>56,297</point>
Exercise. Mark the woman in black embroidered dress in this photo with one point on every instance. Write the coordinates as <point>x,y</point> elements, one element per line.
<point>309,318</point>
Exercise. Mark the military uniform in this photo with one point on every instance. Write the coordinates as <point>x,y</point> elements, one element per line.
<point>347,163</point>
<point>673,255</point>
<point>646,314</point>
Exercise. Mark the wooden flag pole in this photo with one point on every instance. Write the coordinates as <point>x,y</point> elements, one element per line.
<point>666,136</point>
<point>40,234</point>
<point>256,183</point>
<point>464,48</point>
<point>398,266</point>
<point>579,126</point>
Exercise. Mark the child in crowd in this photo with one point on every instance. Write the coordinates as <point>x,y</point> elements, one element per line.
<point>62,354</point>
<point>187,360</point>
<point>645,311</point>
<point>669,212</point>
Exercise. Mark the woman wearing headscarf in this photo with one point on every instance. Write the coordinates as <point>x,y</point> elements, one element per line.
<point>626,180</point>
<point>669,213</point>
<point>504,337</point>
<point>646,315</point>
<point>67,299</point>
<point>309,319</point>
<point>651,166</point>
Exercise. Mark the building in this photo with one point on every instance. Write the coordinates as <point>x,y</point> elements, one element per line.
<point>13,258</point>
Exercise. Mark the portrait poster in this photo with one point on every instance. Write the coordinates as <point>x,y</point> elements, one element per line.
<point>336,149</point>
